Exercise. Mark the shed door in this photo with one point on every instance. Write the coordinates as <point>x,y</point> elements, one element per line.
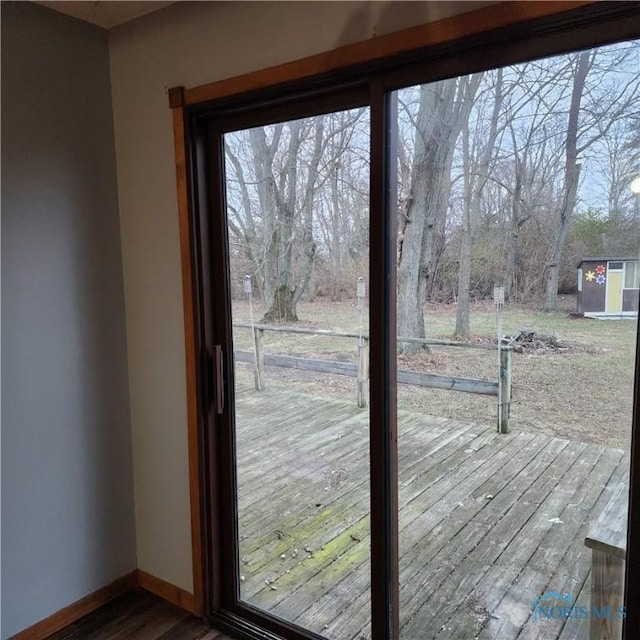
<point>614,288</point>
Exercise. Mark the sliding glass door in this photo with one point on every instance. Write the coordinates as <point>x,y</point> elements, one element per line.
<point>412,427</point>
<point>514,400</point>
<point>292,429</point>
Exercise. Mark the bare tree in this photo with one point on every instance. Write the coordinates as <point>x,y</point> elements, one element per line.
<point>607,102</point>
<point>282,181</point>
<point>532,162</point>
<point>475,178</point>
<point>570,181</point>
<point>442,109</point>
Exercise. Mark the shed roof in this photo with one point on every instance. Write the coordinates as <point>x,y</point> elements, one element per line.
<point>608,259</point>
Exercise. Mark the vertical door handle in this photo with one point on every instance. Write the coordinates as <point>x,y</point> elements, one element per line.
<point>218,392</point>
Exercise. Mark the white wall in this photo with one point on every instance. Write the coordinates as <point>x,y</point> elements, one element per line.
<point>68,524</point>
<point>188,44</point>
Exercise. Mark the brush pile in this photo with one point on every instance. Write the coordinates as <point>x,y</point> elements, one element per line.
<point>531,341</point>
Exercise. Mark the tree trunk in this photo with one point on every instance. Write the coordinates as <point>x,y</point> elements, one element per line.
<point>570,185</point>
<point>464,284</point>
<point>308,243</point>
<point>514,232</point>
<point>263,154</point>
<point>422,226</point>
<point>475,181</point>
<point>437,236</point>
<point>512,256</point>
<point>466,243</point>
<point>282,308</point>
<point>279,207</point>
<point>336,240</point>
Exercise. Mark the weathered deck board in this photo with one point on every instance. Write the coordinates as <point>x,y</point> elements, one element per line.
<point>566,573</point>
<point>340,497</point>
<point>479,539</point>
<point>558,540</point>
<point>408,517</point>
<point>495,525</point>
<point>577,629</point>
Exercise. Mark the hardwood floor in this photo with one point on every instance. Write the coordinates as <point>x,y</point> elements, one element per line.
<point>139,616</point>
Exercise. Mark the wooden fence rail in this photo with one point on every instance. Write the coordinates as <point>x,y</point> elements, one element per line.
<point>355,334</point>
<point>360,369</point>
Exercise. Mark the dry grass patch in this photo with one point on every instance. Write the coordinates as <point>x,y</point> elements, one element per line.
<point>582,392</point>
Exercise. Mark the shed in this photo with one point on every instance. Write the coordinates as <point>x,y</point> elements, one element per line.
<point>608,287</point>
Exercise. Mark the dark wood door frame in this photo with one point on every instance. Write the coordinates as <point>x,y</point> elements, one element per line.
<point>494,36</point>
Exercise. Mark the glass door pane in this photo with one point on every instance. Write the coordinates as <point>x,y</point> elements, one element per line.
<point>298,222</point>
<point>514,455</point>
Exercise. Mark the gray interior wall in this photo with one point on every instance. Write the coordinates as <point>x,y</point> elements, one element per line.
<point>67,490</point>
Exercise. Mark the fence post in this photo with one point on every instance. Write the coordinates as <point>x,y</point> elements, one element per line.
<point>258,372</point>
<point>505,384</point>
<point>363,372</point>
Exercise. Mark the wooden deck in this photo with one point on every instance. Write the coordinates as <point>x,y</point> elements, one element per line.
<point>488,522</point>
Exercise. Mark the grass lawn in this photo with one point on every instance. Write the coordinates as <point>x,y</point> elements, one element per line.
<point>582,394</point>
